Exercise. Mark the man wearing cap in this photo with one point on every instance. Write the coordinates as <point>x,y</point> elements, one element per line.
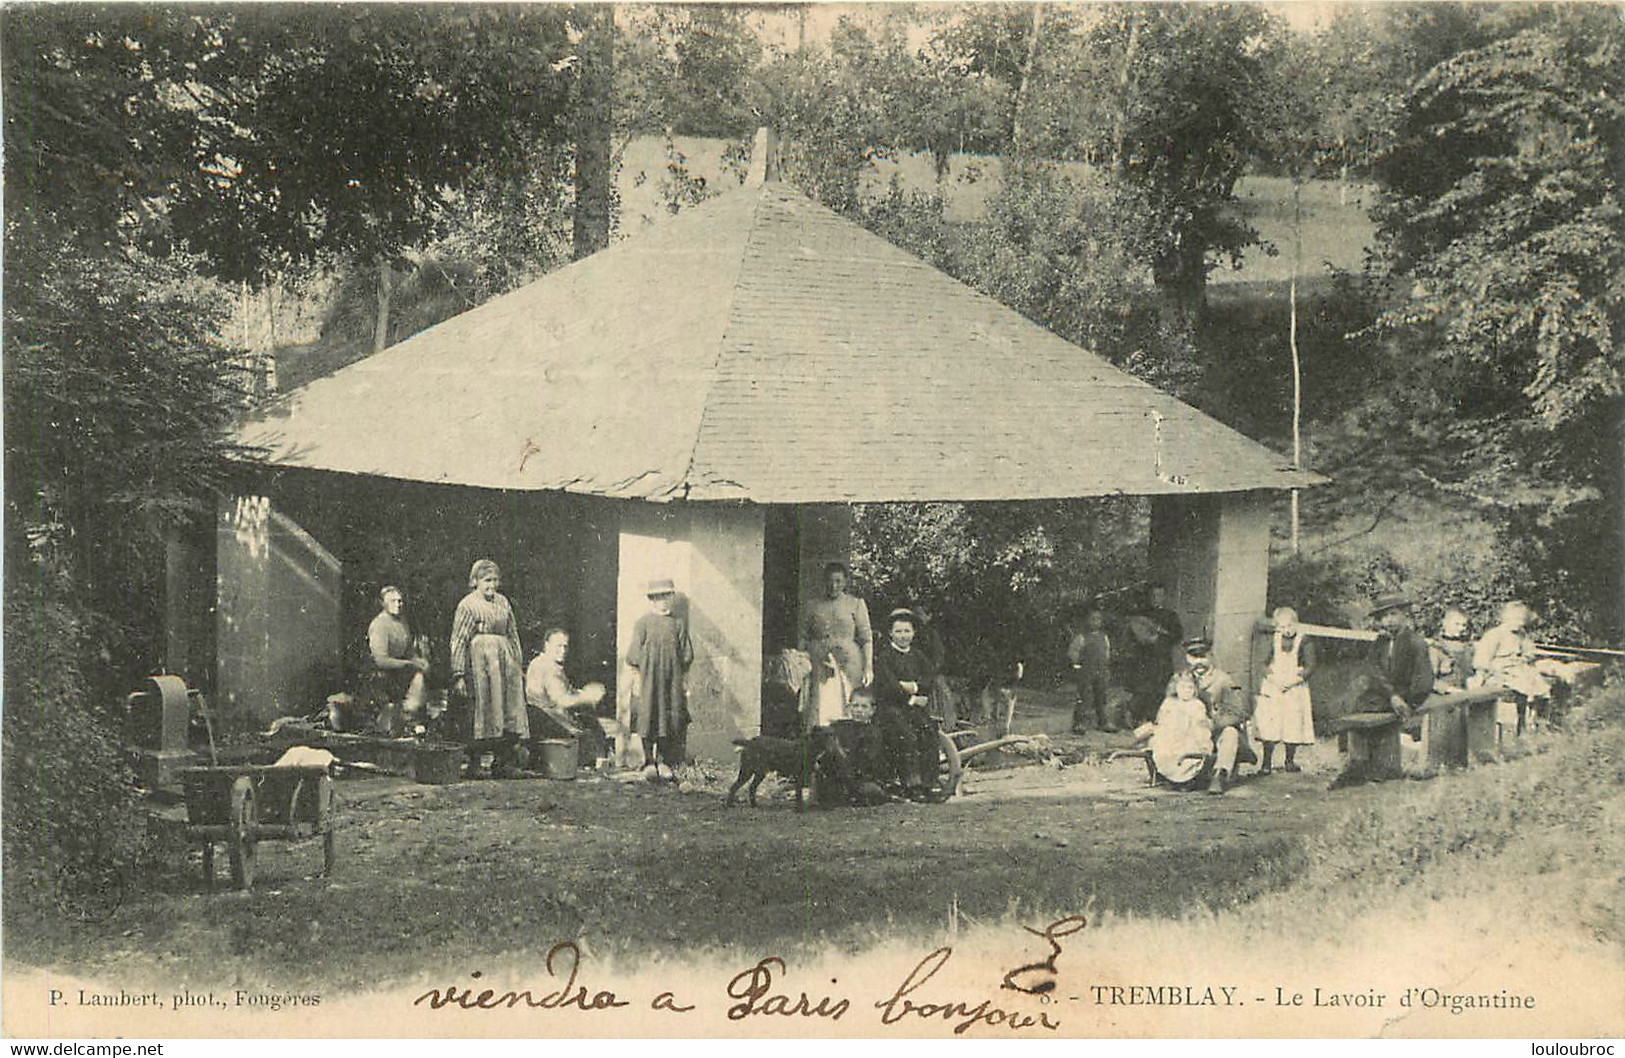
<point>1404,676</point>
<point>1228,710</point>
<point>902,685</point>
<point>837,627</point>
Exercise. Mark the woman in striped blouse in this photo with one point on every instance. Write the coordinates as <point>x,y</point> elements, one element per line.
<point>485,657</point>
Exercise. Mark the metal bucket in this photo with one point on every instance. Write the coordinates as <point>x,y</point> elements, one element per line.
<point>556,758</point>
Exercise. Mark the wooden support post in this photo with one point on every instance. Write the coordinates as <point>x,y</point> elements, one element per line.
<point>1373,746</point>
<point>1480,731</point>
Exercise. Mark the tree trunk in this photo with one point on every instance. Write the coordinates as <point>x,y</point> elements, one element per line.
<point>1292,341</point>
<point>592,132</point>
<point>380,329</point>
<point>1125,75</point>
<point>1181,281</point>
<point>1020,95</point>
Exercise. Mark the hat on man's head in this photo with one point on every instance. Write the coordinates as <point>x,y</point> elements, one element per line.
<point>1199,646</point>
<point>1394,600</point>
<point>903,613</point>
<point>661,586</point>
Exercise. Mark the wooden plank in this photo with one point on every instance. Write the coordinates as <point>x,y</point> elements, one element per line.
<point>1480,729</point>
<point>1437,702</point>
<point>1359,635</point>
<point>1366,721</point>
<point>1559,649</point>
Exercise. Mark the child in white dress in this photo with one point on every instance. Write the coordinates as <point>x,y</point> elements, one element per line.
<point>1183,735</point>
<point>1285,713</point>
<point>1505,657</point>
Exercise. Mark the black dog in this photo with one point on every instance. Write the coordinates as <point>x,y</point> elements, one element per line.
<point>798,760</point>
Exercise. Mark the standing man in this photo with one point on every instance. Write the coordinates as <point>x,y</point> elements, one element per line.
<point>1228,709</point>
<point>1156,635</point>
<point>399,665</point>
<point>837,627</point>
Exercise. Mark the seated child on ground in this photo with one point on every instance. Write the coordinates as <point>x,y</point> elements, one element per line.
<point>1183,735</point>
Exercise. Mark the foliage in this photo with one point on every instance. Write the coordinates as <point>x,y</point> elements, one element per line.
<point>1345,85</point>
<point>93,134</point>
<point>1060,249</point>
<point>116,398</point>
<point>1162,95</point>
<point>1033,564</point>
<point>348,128</point>
<point>686,70</point>
<point>68,790</point>
<point>1501,229</point>
<point>837,112</point>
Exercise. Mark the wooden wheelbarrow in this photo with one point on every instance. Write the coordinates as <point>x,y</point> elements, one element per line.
<point>241,806</point>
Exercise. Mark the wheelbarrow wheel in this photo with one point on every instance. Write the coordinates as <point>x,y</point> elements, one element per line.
<point>244,818</point>
<point>952,767</point>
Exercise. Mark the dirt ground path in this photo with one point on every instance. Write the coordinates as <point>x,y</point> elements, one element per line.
<point>450,875</point>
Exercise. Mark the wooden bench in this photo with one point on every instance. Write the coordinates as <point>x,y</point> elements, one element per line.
<point>1457,730</point>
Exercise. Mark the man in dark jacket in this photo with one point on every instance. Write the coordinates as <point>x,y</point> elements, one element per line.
<point>1404,676</point>
<point>1402,681</point>
<point>903,677</point>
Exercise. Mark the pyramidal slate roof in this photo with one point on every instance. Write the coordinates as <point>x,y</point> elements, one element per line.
<point>757,347</point>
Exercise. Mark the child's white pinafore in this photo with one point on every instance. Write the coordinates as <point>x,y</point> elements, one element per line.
<point>1284,711</point>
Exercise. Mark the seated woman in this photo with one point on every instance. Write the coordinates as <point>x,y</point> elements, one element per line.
<point>556,707</point>
<point>1183,740</point>
<point>902,683</point>
<point>399,663</point>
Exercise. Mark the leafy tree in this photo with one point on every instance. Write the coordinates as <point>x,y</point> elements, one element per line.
<point>1501,225</point>
<point>1032,563</point>
<point>837,110</point>
<point>687,70</point>
<point>1162,96</point>
<point>592,130</point>
<point>1350,79</point>
<point>348,130</point>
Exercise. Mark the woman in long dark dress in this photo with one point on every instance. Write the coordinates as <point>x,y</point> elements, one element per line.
<point>661,654</point>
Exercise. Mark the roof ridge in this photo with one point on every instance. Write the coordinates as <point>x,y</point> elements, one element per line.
<point>686,480</point>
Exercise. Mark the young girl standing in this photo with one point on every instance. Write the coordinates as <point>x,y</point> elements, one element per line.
<point>1284,711</point>
<point>661,654</point>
